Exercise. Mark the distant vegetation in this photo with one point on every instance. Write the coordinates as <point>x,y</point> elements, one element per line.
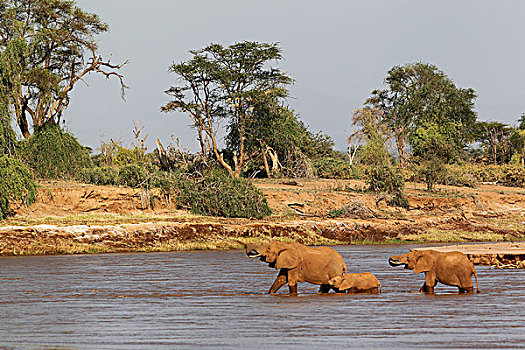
<point>17,186</point>
<point>53,153</point>
<point>418,127</point>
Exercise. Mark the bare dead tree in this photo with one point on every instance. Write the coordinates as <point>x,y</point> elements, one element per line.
<point>354,142</point>
<point>141,142</point>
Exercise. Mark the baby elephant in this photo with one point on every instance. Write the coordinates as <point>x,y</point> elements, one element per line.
<point>452,268</point>
<point>357,283</point>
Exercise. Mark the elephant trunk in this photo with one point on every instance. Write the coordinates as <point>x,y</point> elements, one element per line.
<point>395,262</point>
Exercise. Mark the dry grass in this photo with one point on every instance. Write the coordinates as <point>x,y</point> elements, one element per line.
<point>454,236</point>
<point>95,219</point>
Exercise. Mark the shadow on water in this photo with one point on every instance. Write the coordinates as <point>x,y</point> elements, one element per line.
<point>218,300</point>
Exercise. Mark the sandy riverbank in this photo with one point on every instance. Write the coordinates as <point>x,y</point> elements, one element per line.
<point>79,218</point>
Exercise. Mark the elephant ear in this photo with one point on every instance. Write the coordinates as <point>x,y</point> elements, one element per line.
<point>287,259</point>
<point>346,283</point>
<point>423,264</point>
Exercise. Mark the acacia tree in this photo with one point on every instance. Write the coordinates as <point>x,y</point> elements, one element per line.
<point>278,141</point>
<point>418,94</point>
<point>199,96</point>
<point>48,46</point>
<point>375,136</point>
<point>383,176</point>
<point>224,83</point>
<point>495,139</point>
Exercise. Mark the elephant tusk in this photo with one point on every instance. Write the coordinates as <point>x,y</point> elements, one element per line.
<point>253,254</point>
<point>394,262</point>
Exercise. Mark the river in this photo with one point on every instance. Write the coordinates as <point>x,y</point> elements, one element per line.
<point>218,300</point>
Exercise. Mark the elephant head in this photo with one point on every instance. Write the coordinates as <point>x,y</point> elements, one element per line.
<point>419,261</point>
<point>279,255</point>
<point>342,282</point>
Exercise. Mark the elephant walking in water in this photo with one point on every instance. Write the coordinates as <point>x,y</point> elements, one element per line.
<point>451,268</point>
<point>363,282</point>
<point>299,263</point>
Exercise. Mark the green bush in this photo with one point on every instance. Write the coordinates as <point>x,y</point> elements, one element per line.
<point>218,194</point>
<point>385,179</point>
<point>455,176</point>
<point>509,175</point>
<point>99,175</point>
<point>17,185</point>
<point>514,176</point>
<point>214,194</point>
<point>333,168</point>
<point>133,175</point>
<point>54,154</point>
<point>388,179</point>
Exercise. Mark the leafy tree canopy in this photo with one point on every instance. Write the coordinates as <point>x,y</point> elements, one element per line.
<point>274,128</point>
<point>418,94</point>
<point>7,135</point>
<point>521,122</point>
<point>46,47</point>
<point>17,185</point>
<point>53,153</point>
<point>494,138</point>
<point>225,83</point>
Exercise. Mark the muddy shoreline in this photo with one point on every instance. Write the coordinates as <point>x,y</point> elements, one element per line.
<point>73,218</point>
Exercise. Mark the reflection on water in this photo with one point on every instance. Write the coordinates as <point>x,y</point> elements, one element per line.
<point>217,300</point>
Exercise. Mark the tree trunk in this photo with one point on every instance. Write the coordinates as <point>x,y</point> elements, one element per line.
<point>265,160</point>
<point>275,160</point>
<point>400,144</point>
<point>162,155</point>
<point>22,123</point>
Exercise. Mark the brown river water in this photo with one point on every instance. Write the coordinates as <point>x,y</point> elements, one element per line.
<point>217,300</point>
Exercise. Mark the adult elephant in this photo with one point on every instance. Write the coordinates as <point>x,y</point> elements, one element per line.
<point>299,263</point>
<point>451,268</point>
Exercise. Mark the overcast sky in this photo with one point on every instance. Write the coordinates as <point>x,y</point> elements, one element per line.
<point>337,52</point>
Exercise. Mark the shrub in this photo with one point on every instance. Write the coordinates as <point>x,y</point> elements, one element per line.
<point>17,185</point>
<point>385,179</point>
<point>388,179</point>
<point>333,168</point>
<point>54,154</point>
<point>218,194</point>
<point>514,176</point>
<point>215,194</point>
<point>456,176</point>
<point>133,175</point>
<point>509,175</point>
<point>99,175</point>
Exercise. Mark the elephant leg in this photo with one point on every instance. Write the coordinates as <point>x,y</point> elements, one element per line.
<point>293,289</point>
<point>465,284</point>
<point>427,289</point>
<point>430,283</point>
<point>324,288</point>
<point>466,290</point>
<point>280,281</point>
<point>292,281</point>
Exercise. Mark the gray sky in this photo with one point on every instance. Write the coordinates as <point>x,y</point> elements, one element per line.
<point>337,52</point>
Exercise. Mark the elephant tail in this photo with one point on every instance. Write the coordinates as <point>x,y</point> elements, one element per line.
<point>476,276</point>
<point>344,268</point>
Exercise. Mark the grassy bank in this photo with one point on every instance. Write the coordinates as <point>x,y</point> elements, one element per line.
<point>208,235</point>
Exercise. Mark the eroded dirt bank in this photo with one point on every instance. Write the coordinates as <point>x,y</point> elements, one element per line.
<point>78,218</point>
